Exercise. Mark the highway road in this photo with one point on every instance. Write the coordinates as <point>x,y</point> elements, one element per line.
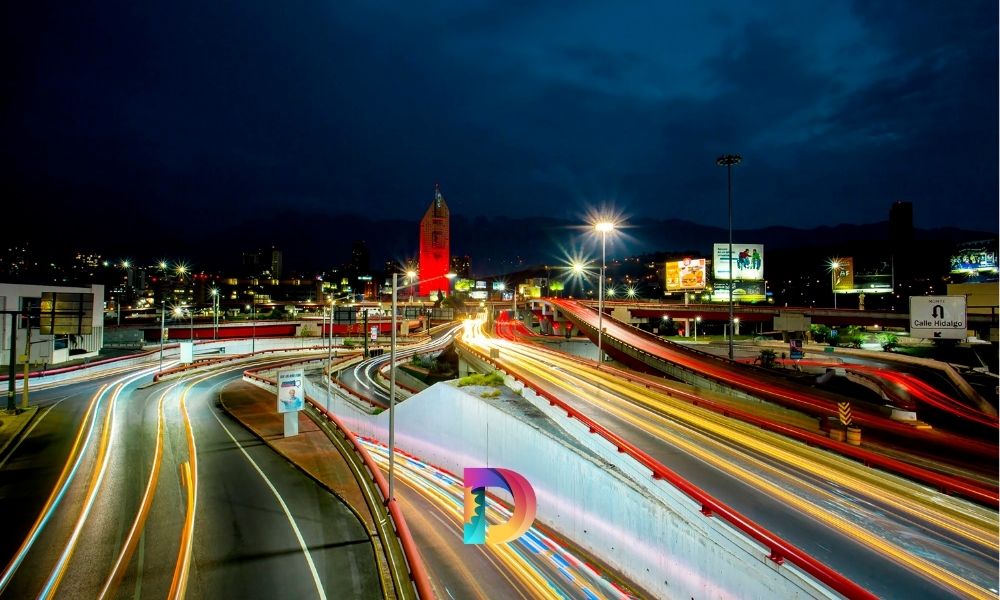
<point>129,489</point>
<point>534,566</point>
<point>363,379</point>
<point>760,384</point>
<point>894,537</point>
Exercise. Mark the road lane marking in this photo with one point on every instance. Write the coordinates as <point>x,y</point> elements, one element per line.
<point>178,585</point>
<point>65,478</point>
<point>284,507</point>
<point>101,467</point>
<point>138,525</point>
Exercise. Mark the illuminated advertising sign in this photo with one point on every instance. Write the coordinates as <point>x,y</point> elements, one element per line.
<point>687,274</point>
<point>499,286</point>
<point>748,262</point>
<point>291,395</point>
<point>480,285</point>
<point>743,291</point>
<point>972,260</point>
<point>842,274</point>
<point>478,294</point>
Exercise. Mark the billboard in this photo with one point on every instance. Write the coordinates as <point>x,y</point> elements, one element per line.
<point>748,262</point>
<point>938,317</point>
<point>480,285</point>
<point>63,313</point>
<point>743,291</point>
<point>974,259</point>
<point>687,274</point>
<point>842,275</point>
<point>479,294</point>
<point>499,286</point>
<point>291,395</point>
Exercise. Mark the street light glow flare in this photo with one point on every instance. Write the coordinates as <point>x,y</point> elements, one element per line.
<point>411,274</point>
<point>631,292</point>
<point>604,226</point>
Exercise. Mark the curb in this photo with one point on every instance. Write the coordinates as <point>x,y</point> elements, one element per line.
<point>17,434</point>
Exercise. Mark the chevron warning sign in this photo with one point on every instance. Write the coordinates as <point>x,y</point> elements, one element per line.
<point>844,410</point>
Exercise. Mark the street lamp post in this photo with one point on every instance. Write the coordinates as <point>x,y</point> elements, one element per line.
<point>834,265</point>
<point>696,321</point>
<point>392,375</point>
<point>603,228</point>
<point>163,325</point>
<point>215,313</point>
<point>729,161</point>
<point>253,334</point>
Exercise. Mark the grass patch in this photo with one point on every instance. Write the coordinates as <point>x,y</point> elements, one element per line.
<point>494,393</point>
<point>494,379</point>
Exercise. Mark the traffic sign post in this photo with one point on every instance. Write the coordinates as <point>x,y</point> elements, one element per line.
<point>844,413</point>
<point>938,317</point>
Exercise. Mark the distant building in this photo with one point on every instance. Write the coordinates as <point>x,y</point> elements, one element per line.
<point>901,222</point>
<point>461,266</point>
<point>276,266</point>
<point>262,263</point>
<point>435,258</point>
<point>52,348</point>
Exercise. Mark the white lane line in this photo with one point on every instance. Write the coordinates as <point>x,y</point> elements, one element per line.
<point>284,507</point>
<point>30,429</point>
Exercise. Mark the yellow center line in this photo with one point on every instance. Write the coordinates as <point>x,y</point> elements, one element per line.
<point>125,556</point>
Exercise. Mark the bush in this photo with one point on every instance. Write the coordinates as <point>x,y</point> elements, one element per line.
<point>494,379</point>
<point>820,333</point>
<point>888,341</point>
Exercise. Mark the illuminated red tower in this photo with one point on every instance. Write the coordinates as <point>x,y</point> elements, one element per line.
<point>435,256</point>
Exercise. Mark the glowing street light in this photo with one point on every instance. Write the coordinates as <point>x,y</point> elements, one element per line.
<point>392,373</point>
<point>834,268</point>
<point>697,320</point>
<point>729,161</point>
<point>602,227</point>
<point>631,292</point>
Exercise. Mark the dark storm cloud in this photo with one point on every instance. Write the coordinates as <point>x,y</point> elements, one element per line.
<point>521,108</point>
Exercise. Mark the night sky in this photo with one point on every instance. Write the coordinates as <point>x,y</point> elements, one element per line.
<point>135,113</point>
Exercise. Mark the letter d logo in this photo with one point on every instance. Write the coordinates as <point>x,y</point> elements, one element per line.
<point>476,482</point>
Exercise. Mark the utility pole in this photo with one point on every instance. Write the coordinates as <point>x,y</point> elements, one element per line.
<point>12,371</point>
<point>364,317</point>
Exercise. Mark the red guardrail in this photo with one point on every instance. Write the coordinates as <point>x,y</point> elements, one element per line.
<point>780,549</point>
<point>418,572</point>
<point>949,484</point>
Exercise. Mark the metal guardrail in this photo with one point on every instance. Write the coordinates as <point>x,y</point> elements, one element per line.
<point>417,571</point>
<point>780,550</point>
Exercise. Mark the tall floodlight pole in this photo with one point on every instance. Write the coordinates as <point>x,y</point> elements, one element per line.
<point>253,331</point>
<point>392,376</point>
<point>163,325</point>
<point>729,161</point>
<point>603,228</point>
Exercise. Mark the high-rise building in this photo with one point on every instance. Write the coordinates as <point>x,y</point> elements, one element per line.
<point>275,263</point>
<point>901,222</point>
<point>435,257</point>
<point>461,266</point>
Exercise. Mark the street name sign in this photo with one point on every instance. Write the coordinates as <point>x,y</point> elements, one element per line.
<point>938,317</point>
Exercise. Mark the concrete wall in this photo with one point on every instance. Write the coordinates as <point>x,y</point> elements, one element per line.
<point>601,499</point>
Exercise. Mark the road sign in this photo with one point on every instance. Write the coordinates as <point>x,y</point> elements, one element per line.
<point>844,412</point>
<point>938,317</point>
<point>374,333</point>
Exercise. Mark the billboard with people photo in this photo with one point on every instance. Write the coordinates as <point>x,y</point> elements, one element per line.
<point>748,262</point>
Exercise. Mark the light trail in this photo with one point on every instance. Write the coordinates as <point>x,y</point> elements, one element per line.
<point>541,564</point>
<point>660,414</point>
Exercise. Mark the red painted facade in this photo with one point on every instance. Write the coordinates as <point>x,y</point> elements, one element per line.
<point>435,251</point>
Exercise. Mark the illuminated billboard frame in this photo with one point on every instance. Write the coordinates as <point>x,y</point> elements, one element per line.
<point>687,274</point>
<point>748,262</point>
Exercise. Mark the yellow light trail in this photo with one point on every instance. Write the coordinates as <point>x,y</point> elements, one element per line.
<point>548,366</point>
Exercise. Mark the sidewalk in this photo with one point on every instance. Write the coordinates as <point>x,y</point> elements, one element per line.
<point>311,450</point>
<point>11,426</point>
